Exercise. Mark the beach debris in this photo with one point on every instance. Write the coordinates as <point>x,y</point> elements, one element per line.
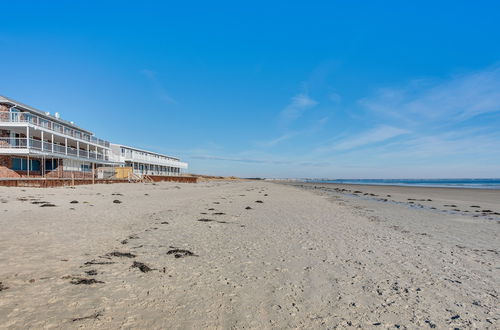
<point>431,325</point>
<point>47,205</point>
<point>216,202</point>
<point>93,316</point>
<point>259,201</point>
<point>181,253</point>
<point>117,201</point>
<point>86,281</point>
<point>164,223</point>
<point>211,220</point>
<point>121,254</point>
<point>211,209</point>
<point>116,194</point>
<point>38,202</point>
<point>248,208</point>
<point>74,202</point>
<point>218,213</point>
<point>476,206</point>
<point>3,287</point>
<point>96,262</point>
<point>133,236</point>
<point>91,272</point>
<point>142,266</point>
<point>450,205</point>
<point>265,194</point>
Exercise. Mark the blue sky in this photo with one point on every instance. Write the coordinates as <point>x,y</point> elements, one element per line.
<point>337,89</point>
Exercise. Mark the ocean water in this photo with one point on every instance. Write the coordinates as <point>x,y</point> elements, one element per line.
<point>447,183</point>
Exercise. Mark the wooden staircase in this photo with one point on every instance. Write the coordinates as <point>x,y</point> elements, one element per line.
<point>138,178</point>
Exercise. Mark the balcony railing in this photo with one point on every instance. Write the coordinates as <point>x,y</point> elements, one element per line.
<point>24,143</point>
<point>26,117</point>
<point>163,161</point>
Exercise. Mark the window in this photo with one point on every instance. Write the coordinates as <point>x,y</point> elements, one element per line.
<point>50,164</point>
<point>85,168</point>
<point>17,164</point>
<point>21,164</point>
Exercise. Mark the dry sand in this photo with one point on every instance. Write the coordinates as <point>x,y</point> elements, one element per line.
<point>303,258</point>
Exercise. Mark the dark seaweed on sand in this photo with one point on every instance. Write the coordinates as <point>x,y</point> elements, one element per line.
<point>181,253</point>
<point>205,220</point>
<point>121,254</point>
<point>142,267</point>
<point>95,262</point>
<point>47,205</point>
<point>86,281</point>
<point>93,316</point>
<point>3,287</point>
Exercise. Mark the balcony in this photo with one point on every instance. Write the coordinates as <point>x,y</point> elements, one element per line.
<point>48,147</point>
<point>26,117</point>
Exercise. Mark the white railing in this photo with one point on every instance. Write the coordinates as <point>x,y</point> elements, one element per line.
<point>155,161</point>
<point>154,172</point>
<point>24,143</point>
<point>26,117</point>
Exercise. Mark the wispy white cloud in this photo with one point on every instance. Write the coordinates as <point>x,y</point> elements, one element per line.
<point>272,161</point>
<point>298,105</point>
<point>456,99</point>
<point>314,127</point>
<point>279,139</point>
<point>376,135</point>
<point>335,97</point>
<point>158,87</point>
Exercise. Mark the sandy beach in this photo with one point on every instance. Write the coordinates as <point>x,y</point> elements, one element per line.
<point>249,254</point>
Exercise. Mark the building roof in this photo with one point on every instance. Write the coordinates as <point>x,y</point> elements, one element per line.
<point>142,150</point>
<point>40,113</point>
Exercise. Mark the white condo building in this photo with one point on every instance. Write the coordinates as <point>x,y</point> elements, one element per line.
<point>37,144</point>
<point>146,162</point>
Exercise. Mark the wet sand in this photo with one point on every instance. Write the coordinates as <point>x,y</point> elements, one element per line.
<point>247,254</point>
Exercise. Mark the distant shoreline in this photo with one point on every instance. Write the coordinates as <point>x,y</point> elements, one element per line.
<point>489,184</point>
